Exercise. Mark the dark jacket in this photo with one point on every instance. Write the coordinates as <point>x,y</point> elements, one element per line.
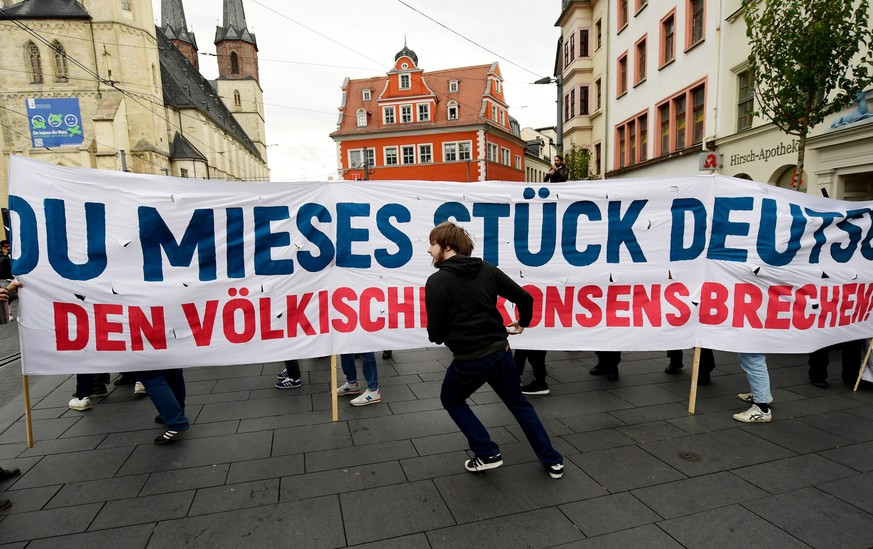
<point>5,267</point>
<point>461,299</point>
<point>561,174</point>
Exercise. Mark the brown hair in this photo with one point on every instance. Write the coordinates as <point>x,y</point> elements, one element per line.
<point>449,235</point>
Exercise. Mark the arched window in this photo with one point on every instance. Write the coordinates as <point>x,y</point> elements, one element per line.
<point>237,101</point>
<point>154,75</point>
<point>362,118</point>
<point>126,4</point>
<point>234,63</point>
<point>452,110</point>
<point>34,63</point>
<point>60,62</point>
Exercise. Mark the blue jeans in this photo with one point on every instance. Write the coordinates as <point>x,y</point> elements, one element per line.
<point>755,366</point>
<point>370,372</point>
<point>166,388</point>
<point>498,370</point>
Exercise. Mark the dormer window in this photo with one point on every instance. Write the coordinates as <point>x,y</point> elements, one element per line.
<point>362,118</point>
<point>497,85</point>
<point>405,83</point>
<point>453,85</point>
<point>452,110</point>
<point>367,95</point>
<point>423,112</point>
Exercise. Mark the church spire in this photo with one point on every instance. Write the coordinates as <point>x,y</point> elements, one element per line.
<point>176,29</point>
<point>234,27</point>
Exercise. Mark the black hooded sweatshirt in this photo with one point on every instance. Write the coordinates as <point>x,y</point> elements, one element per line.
<point>461,301</point>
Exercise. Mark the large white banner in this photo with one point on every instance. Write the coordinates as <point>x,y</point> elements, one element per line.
<point>128,272</point>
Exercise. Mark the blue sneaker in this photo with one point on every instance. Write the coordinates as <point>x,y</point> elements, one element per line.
<point>288,383</point>
<point>283,374</point>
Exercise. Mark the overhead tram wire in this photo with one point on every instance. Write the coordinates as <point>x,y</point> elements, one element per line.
<point>127,93</point>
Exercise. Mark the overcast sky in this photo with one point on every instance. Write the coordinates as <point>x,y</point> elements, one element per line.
<point>306,49</point>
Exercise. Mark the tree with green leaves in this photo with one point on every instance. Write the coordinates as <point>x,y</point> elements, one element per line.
<point>809,59</point>
<point>578,161</point>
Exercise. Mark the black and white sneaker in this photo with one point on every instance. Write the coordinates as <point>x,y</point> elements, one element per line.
<point>556,470</point>
<point>535,388</point>
<point>169,436</point>
<point>480,463</point>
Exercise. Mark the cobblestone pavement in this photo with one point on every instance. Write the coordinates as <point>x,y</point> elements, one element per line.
<point>262,467</point>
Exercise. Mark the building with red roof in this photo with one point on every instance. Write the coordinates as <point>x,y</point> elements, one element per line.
<point>447,125</point>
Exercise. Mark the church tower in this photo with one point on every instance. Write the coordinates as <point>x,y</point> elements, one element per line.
<point>238,80</point>
<point>176,28</point>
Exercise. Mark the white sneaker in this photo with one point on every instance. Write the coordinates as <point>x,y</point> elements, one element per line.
<point>139,389</point>
<point>80,404</point>
<point>747,397</point>
<point>369,397</point>
<point>349,389</point>
<point>754,415</point>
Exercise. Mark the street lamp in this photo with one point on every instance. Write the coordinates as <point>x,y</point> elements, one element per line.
<point>559,142</point>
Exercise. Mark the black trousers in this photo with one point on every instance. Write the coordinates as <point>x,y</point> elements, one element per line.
<point>610,359</point>
<point>537,361</point>
<point>851,360</point>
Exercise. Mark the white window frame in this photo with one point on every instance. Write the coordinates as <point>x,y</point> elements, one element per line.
<point>403,150</point>
<point>494,113</point>
<point>454,86</point>
<point>464,150</point>
<point>366,94</point>
<point>425,157</point>
<point>450,152</point>
<point>502,117</point>
<point>505,156</point>
<point>493,152</point>
<point>358,154</point>
<point>361,118</point>
<point>518,162</point>
<point>405,114</point>
<point>405,78</point>
<point>426,108</point>
<point>386,150</point>
<point>452,107</point>
<point>386,111</point>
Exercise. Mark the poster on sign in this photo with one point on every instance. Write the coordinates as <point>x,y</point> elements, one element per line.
<point>130,272</point>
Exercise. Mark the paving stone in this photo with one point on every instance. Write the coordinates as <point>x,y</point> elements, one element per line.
<point>427,389</point>
<point>119,422</point>
<point>258,469</point>
<point>562,406</point>
<point>414,541</point>
<point>130,537</point>
<point>820,405</point>
<point>857,490</point>
<point>798,436</point>
<point>392,511</point>
<point>856,456</point>
<point>46,429</point>
<point>286,420</point>
<point>185,479</point>
<point>610,513</point>
<point>245,384</point>
<point>842,424</point>
<point>704,422</point>
<point>591,422</point>
<point>645,395</point>
<point>134,438</point>
<point>728,527</point>
<point>554,428</point>
<point>30,499</point>
<point>314,522</point>
<point>358,455</point>
<point>598,440</point>
<point>513,489</point>
<point>432,466</point>
<point>411,406</point>
<point>221,397</point>
<point>338,481</point>
<point>651,413</point>
<point>223,372</point>
<point>63,445</point>
<point>540,528</point>
<point>91,491</point>
<point>47,523</point>
<point>225,411</point>
<point>311,438</point>
<point>816,518</point>
<point>718,450</point>
<point>650,432</point>
<point>235,496</point>
<point>369,431</point>
<point>437,444</point>
<point>74,467</point>
<point>10,451</point>
<point>648,536</point>
<point>127,512</point>
<point>793,473</point>
<point>194,453</point>
<point>626,468</point>
<point>686,497</point>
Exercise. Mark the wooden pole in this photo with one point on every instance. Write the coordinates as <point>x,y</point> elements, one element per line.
<point>333,396</point>
<point>28,420</point>
<point>695,369</point>
<point>863,364</point>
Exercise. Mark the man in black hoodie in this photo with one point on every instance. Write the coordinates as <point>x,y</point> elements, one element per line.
<point>461,301</point>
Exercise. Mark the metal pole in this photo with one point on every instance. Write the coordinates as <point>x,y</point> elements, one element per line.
<point>366,165</point>
<point>560,140</point>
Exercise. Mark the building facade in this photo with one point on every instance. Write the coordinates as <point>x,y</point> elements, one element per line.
<point>134,89</point>
<point>447,125</point>
<point>669,83</point>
